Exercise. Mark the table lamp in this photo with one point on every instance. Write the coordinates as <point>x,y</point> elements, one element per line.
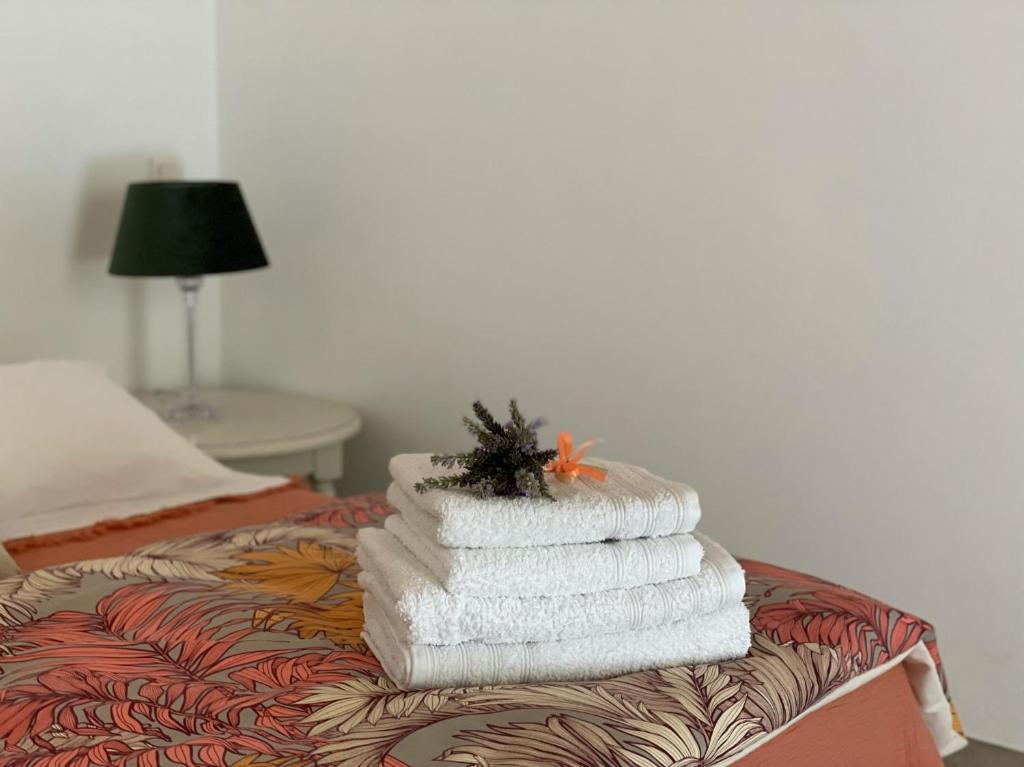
<point>185,229</point>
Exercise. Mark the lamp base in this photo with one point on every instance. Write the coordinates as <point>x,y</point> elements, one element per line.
<point>189,408</point>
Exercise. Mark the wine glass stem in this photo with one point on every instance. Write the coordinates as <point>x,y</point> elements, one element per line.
<point>190,293</point>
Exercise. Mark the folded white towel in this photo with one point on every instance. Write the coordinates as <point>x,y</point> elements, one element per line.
<point>428,614</point>
<point>630,503</point>
<point>577,568</point>
<point>705,639</point>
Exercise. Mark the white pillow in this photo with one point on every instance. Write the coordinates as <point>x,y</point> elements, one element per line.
<point>75,448</point>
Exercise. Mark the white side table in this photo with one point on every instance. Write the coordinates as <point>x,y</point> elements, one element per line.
<point>268,432</point>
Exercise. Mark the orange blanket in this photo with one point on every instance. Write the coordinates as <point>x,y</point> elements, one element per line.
<point>878,723</point>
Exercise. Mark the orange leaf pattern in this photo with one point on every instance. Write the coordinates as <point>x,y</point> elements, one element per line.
<point>242,648</point>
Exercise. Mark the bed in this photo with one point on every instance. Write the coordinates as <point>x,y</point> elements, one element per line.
<point>128,644</point>
<point>171,611</point>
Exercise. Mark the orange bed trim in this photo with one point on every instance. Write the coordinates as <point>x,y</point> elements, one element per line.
<point>876,725</point>
<point>114,537</point>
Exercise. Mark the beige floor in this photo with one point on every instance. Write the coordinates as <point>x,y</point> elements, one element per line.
<point>979,754</point>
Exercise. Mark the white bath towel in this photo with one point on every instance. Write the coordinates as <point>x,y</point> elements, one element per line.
<point>705,639</point>
<point>630,503</point>
<point>428,614</point>
<point>577,568</point>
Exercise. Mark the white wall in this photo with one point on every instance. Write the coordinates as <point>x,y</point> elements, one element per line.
<point>89,92</point>
<point>774,249</point>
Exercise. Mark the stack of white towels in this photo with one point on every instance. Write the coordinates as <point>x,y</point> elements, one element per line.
<point>608,579</point>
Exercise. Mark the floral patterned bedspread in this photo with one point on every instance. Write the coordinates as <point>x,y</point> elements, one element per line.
<point>243,648</point>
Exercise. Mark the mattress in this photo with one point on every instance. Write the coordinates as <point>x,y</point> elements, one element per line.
<point>242,646</point>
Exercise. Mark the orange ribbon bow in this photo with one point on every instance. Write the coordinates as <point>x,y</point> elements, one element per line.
<point>567,466</point>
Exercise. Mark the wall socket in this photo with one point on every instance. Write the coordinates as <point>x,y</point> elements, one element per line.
<point>164,168</point>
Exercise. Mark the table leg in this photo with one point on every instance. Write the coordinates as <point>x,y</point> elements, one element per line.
<point>328,467</point>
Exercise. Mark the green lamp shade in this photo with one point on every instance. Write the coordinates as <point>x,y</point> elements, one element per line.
<point>185,228</point>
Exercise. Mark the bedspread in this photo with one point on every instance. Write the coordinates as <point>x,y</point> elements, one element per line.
<point>243,648</point>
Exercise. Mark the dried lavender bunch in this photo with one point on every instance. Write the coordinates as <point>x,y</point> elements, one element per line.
<point>507,461</point>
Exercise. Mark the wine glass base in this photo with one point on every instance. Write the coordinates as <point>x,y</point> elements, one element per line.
<point>190,410</point>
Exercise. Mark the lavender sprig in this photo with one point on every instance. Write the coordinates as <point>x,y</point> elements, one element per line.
<point>506,462</point>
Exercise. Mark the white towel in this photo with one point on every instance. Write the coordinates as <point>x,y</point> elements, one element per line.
<point>630,503</point>
<point>705,639</point>
<point>428,614</point>
<point>577,568</point>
